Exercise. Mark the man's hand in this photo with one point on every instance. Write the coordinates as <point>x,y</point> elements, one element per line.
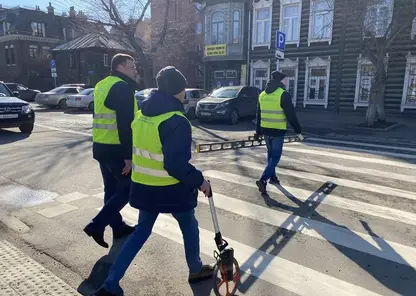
<point>205,188</point>
<point>301,138</point>
<point>127,168</point>
<point>256,137</point>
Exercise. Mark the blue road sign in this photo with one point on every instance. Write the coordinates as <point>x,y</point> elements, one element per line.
<point>280,41</point>
<point>53,64</point>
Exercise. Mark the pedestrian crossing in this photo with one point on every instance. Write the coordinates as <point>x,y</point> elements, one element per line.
<point>342,222</point>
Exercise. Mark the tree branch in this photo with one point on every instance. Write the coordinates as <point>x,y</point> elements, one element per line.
<point>143,12</point>
<point>164,30</point>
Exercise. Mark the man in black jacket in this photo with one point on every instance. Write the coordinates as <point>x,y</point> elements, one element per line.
<point>276,106</point>
<point>114,108</point>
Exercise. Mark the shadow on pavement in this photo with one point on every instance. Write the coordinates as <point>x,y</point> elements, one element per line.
<point>101,269</point>
<point>11,136</point>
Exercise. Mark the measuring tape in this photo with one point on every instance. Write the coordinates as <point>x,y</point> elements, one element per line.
<point>250,142</point>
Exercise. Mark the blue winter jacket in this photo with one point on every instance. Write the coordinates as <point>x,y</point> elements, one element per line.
<point>176,138</point>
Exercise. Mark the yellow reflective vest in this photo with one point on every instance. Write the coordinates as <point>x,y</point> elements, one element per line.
<point>147,150</point>
<point>271,113</point>
<point>104,130</point>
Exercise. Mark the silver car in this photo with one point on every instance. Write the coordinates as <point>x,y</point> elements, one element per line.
<point>57,96</point>
<point>84,99</point>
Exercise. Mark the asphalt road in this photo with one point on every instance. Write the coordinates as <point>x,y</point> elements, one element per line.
<point>342,223</point>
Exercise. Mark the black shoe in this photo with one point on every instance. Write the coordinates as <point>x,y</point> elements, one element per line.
<point>274,180</point>
<point>206,273</point>
<point>98,236</point>
<point>262,186</point>
<point>103,292</point>
<point>127,230</point>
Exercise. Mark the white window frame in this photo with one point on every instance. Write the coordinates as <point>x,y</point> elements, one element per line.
<point>315,63</point>
<point>284,3</point>
<point>413,32</point>
<point>262,4</point>
<point>291,65</point>
<point>36,52</point>
<point>328,39</point>
<point>386,3</point>
<point>239,35</point>
<point>105,60</point>
<point>410,60</point>
<point>259,65</point>
<point>6,28</point>
<point>361,61</point>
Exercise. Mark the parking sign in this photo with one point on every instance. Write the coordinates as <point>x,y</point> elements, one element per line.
<point>52,63</point>
<point>280,41</point>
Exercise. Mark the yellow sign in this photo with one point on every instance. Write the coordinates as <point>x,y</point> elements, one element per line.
<point>216,50</point>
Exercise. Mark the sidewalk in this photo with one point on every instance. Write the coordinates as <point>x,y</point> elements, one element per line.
<point>332,125</point>
<point>20,275</point>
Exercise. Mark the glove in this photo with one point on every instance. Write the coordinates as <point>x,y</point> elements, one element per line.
<point>301,138</point>
<point>256,137</point>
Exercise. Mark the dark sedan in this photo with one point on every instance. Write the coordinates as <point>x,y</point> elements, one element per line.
<point>229,103</point>
<point>25,93</point>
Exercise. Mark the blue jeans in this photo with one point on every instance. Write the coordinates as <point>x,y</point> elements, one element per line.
<point>116,196</point>
<point>274,152</point>
<point>190,232</point>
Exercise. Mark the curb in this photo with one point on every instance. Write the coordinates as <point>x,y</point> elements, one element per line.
<point>13,223</point>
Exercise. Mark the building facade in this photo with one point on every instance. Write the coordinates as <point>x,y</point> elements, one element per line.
<point>226,41</point>
<point>324,56</point>
<point>183,42</point>
<point>27,35</point>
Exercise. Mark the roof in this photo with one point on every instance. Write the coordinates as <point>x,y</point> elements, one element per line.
<point>93,40</point>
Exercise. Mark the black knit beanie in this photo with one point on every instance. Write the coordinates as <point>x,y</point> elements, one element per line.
<point>171,81</point>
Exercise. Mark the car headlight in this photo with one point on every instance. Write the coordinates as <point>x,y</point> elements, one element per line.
<point>222,105</point>
<point>26,109</point>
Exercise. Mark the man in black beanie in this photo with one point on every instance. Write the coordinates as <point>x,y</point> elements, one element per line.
<point>273,110</point>
<point>163,180</point>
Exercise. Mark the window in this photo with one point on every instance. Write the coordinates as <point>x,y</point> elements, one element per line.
<point>198,28</point>
<point>409,86</point>
<point>219,74</point>
<point>378,18</point>
<point>106,60</point>
<point>33,49</point>
<point>365,80</point>
<point>45,51</point>
<point>260,73</point>
<point>217,28</point>
<point>236,26</point>
<point>290,19</point>
<point>194,94</point>
<point>7,51</point>
<point>231,74</point>
<point>38,29</point>
<point>6,28</point>
<point>72,91</point>
<point>249,92</point>
<point>262,26</point>
<point>317,82</point>
<point>291,82</point>
<point>321,19</point>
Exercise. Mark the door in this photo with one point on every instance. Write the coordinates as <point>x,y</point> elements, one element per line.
<point>250,98</point>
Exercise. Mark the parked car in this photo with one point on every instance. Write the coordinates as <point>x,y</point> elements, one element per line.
<point>192,97</point>
<point>25,93</point>
<point>229,103</point>
<point>84,99</point>
<point>15,112</point>
<point>83,85</point>
<point>57,96</point>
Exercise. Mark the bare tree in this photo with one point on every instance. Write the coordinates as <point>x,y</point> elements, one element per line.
<point>381,22</point>
<point>124,16</point>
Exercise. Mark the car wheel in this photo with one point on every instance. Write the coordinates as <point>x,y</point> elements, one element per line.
<point>91,106</point>
<point>26,128</point>
<point>191,114</point>
<point>234,117</point>
<point>62,104</point>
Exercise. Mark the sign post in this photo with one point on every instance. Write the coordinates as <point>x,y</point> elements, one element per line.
<point>280,45</point>
<point>53,70</point>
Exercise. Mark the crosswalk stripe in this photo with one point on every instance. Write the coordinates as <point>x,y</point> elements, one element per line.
<point>280,272</point>
<point>343,182</point>
<point>338,235</point>
<point>362,144</point>
<point>331,200</point>
<point>377,152</point>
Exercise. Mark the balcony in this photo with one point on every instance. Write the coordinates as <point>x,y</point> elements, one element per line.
<point>28,36</point>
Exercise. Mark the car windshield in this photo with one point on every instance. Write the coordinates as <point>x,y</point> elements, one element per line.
<point>86,91</point>
<point>225,93</point>
<point>4,91</point>
<point>58,90</point>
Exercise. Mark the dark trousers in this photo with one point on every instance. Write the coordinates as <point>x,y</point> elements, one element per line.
<point>116,196</point>
<point>274,152</point>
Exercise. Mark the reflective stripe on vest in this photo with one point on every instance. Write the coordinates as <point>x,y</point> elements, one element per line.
<point>105,130</point>
<point>148,158</point>
<point>271,113</point>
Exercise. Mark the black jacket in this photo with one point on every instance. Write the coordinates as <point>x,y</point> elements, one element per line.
<point>120,99</point>
<point>288,109</point>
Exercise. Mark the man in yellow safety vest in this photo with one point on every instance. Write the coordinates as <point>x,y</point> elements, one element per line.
<point>274,109</point>
<point>114,109</point>
<point>163,180</point>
